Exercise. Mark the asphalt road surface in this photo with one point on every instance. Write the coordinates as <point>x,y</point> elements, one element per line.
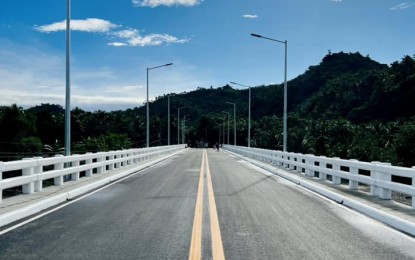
<point>204,205</point>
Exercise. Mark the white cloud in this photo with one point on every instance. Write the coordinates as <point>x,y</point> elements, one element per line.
<point>250,16</point>
<point>133,38</point>
<point>89,25</point>
<point>401,6</point>
<point>336,1</point>
<point>116,44</point>
<point>125,37</point>
<point>155,3</point>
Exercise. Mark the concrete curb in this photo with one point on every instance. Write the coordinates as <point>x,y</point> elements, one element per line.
<point>384,217</point>
<point>389,219</point>
<point>48,202</point>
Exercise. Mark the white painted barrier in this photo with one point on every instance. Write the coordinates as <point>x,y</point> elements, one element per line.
<point>36,170</point>
<point>377,175</point>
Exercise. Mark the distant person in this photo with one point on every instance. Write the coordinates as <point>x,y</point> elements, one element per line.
<point>217,146</point>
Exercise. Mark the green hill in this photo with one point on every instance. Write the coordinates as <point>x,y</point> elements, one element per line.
<point>348,106</point>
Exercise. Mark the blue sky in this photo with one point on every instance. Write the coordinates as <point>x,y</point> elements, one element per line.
<point>209,42</point>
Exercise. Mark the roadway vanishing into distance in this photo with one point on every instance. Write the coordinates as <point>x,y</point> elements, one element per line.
<point>204,204</point>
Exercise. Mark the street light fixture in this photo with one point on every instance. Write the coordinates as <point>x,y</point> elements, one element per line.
<point>234,121</point>
<point>285,88</point>
<point>148,112</point>
<point>178,124</point>
<point>227,113</point>
<point>249,108</point>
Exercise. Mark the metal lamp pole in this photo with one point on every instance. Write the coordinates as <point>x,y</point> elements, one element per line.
<point>285,88</point>
<point>234,122</point>
<point>184,129</point>
<point>68,81</point>
<point>220,129</point>
<point>223,133</point>
<point>249,108</point>
<point>148,111</point>
<point>168,120</point>
<point>227,113</point>
<point>178,124</point>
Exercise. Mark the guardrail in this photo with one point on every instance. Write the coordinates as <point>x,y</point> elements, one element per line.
<point>33,172</point>
<point>378,176</point>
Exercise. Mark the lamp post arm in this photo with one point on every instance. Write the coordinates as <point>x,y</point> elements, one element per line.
<point>267,38</point>
<point>168,64</point>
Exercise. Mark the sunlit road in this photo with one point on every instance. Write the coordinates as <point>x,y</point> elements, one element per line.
<point>168,212</point>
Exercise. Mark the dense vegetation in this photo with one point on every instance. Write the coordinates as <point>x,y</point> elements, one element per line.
<point>348,106</point>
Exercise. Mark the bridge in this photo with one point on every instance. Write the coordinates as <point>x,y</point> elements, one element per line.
<point>174,202</point>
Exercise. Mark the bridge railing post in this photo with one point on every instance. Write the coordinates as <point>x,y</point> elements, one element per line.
<point>378,176</point>
<point>129,155</point>
<point>269,157</point>
<point>309,161</point>
<point>118,164</point>
<point>374,176</point>
<point>124,161</point>
<point>38,170</point>
<point>298,162</point>
<point>89,172</point>
<point>110,159</point>
<point>303,164</point>
<point>292,159</point>
<point>323,165</point>
<point>336,180</point>
<point>58,181</point>
<point>135,160</point>
<point>353,185</point>
<point>274,155</point>
<point>385,193</point>
<point>133,157</point>
<point>75,175</point>
<point>284,158</point>
<point>100,159</point>
<point>30,187</point>
<point>279,158</point>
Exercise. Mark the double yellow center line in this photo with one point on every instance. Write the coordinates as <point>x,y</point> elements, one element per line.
<point>196,242</point>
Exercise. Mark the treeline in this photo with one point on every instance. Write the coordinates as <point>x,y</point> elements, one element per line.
<point>347,106</point>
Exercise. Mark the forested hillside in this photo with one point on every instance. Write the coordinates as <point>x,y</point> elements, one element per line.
<point>347,106</point>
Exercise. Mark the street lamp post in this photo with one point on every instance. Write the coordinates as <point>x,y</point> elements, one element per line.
<point>249,112</point>
<point>223,133</point>
<point>148,111</point>
<point>68,81</point>
<point>234,122</point>
<point>184,129</point>
<point>227,113</point>
<point>178,124</point>
<point>285,89</point>
<point>168,120</point>
<point>220,129</point>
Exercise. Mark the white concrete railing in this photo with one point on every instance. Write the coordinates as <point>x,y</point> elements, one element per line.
<point>36,170</point>
<point>377,175</point>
